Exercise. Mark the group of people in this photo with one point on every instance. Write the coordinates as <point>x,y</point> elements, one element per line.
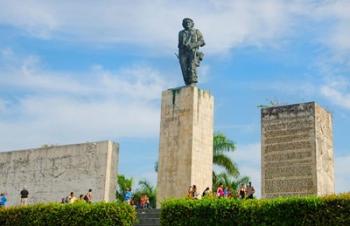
<point>142,203</point>
<point>23,194</point>
<point>71,198</point>
<point>245,191</point>
<point>192,192</point>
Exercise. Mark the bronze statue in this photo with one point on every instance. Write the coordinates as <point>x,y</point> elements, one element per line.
<point>190,40</point>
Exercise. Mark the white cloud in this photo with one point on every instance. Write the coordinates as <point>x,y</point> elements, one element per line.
<point>225,24</point>
<point>2,106</point>
<point>287,86</point>
<point>34,17</point>
<point>337,91</point>
<point>247,158</point>
<point>342,173</point>
<point>337,36</point>
<point>56,107</point>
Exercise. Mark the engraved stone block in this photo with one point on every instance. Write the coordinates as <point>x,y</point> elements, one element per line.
<point>297,151</point>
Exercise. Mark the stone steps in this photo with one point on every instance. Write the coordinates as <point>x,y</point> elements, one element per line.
<point>148,217</point>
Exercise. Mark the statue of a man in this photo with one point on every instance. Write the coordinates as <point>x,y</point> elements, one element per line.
<point>190,40</point>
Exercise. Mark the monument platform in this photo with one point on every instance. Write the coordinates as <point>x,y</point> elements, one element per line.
<point>186,142</point>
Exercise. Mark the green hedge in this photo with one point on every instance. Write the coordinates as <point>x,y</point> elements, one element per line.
<point>80,213</point>
<point>328,210</point>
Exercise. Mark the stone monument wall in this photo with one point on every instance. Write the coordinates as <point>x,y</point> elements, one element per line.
<point>52,172</point>
<point>324,154</point>
<point>186,142</point>
<point>296,151</point>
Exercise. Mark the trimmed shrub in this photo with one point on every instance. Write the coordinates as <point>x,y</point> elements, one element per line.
<point>79,213</point>
<point>312,210</point>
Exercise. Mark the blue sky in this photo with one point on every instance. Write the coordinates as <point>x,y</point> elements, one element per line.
<point>94,70</point>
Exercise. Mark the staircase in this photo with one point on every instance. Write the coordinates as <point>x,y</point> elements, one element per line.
<point>148,217</point>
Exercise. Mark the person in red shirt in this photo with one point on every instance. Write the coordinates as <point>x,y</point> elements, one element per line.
<point>220,191</point>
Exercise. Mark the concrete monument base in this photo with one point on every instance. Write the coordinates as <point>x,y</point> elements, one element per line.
<point>186,142</point>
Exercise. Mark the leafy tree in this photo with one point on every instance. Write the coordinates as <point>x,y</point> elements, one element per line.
<point>123,185</point>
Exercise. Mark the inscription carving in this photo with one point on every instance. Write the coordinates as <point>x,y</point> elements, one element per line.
<point>294,138</point>
<point>289,185</point>
<point>281,172</point>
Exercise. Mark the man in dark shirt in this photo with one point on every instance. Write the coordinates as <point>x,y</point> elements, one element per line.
<point>24,197</point>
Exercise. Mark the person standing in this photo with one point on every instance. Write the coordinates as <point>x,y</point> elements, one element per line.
<point>250,191</point>
<point>242,191</point>
<point>3,200</point>
<point>128,196</point>
<point>206,192</point>
<point>72,198</point>
<point>194,192</point>
<point>220,191</point>
<point>88,196</point>
<point>24,197</point>
<point>189,192</point>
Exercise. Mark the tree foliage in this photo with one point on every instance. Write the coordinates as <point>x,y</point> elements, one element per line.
<point>222,146</point>
<point>123,184</point>
<point>146,188</point>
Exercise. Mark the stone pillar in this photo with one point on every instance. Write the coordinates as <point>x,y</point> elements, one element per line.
<point>186,142</point>
<point>53,171</point>
<point>296,151</point>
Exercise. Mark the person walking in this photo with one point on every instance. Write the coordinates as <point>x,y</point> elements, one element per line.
<point>24,196</point>
<point>128,196</point>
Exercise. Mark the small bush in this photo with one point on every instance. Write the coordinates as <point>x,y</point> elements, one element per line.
<point>327,210</point>
<point>80,213</point>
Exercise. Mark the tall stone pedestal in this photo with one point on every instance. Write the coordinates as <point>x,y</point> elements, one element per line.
<point>296,151</point>
<point>186,142</point>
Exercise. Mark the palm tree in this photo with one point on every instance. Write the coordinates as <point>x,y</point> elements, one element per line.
<point>221,146</point>
<point>229,181</point>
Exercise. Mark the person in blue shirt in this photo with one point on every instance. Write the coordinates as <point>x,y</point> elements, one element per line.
<point>3,200</point>
<point>128,196</point>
